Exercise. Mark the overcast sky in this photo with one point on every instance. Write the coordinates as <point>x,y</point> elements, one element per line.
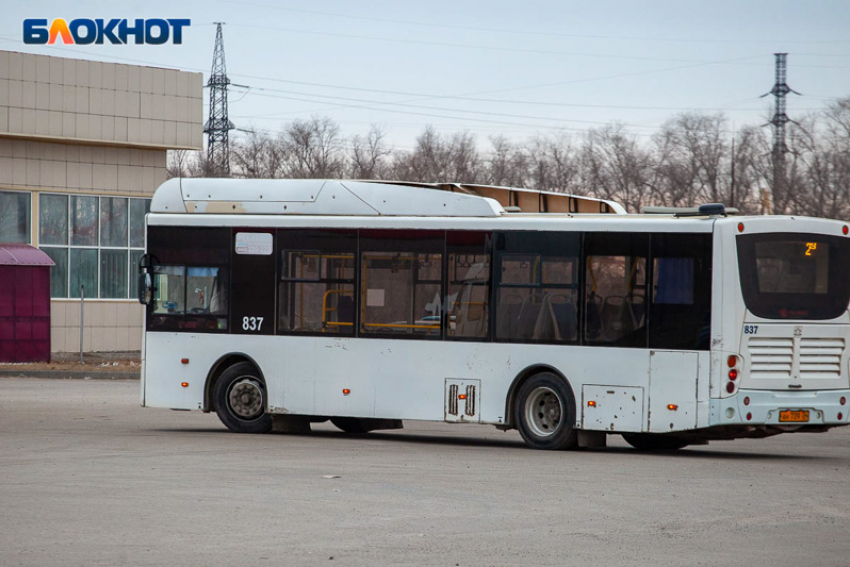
<point>488,67</point>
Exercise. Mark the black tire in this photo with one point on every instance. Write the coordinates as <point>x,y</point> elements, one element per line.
<point>654,442</point>
<point>545,413</point>
<point>350,425</point>
<point>240,400</point>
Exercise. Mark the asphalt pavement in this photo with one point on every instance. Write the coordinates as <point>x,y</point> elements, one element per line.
<point>89,478</point>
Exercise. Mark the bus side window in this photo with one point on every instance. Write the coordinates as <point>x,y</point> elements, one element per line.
<point>680,304</point>
<point>537,294</point>
<point>468,294</point>
<point>401,283</point>
<point>170,286</point>
<point>316,287</point>
<point>615,288</point>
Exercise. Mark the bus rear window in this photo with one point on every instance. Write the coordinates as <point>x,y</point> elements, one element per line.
<point>794,276</point>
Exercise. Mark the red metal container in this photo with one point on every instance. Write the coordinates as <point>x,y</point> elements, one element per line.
<point>24,304</point>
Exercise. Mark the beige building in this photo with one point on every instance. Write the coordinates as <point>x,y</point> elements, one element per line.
<point>82,148</point>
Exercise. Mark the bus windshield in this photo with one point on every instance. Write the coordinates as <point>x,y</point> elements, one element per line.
<point>794,276</point>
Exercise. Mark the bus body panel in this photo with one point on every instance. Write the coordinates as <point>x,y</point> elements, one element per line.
<point>403,379</point>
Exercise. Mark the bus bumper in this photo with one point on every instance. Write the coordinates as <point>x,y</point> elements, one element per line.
<point>764,407</point>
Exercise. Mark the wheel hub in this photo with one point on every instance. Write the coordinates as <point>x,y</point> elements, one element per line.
<point>246,398</point>
<point>543,411</point>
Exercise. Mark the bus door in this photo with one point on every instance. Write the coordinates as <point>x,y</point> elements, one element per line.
<point>673,387</point>
<point>253,280</point>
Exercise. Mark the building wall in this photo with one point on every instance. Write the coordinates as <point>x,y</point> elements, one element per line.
<point>100,103</point>
<point>70,168</point>
<point>76,127</point>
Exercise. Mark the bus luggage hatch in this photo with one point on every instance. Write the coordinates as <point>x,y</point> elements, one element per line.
<point>462,401</point>
<point>673,390</point>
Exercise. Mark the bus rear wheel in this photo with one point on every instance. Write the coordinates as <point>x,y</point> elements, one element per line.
<point>240,400</point>
<point>653,442</point>
<point>545,413</point>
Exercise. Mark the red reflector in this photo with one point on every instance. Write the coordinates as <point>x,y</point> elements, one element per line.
<point>731,361</point>
<point>184,360</point>
<point>747,401</point>
<point>740,227</point>
<point>345,391</point>
<point>749,416</point>
<point>845,230</point>
<point>842,401</point>
<point>733,374</point>
<point>730,387</point>
<point>840,416</point>
<point>184,384</point>
<point>591,404</point>
<point>672,407</point>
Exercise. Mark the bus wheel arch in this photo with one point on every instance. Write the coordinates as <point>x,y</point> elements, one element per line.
<point>544,386</point>
<point>220,366</point>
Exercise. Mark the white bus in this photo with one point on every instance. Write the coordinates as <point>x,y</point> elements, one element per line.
<point>367,303</point>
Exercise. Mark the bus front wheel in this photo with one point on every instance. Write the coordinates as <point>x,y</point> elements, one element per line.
<point>240,400</point>
<point>545,413</point>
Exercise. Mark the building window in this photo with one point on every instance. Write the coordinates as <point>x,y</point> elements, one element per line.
<point>15,216</point>
<point>95,242</point>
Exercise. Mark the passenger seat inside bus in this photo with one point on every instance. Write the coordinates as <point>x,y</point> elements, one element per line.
<point>528,314</point>
<point>345,309</point>
<point>507,316</point>
<point>557,320</point>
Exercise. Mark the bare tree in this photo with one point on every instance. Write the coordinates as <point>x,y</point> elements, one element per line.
<point>615,167</point>
<point>180,163</point>
<point>369,155</point>
<point>312,149</point>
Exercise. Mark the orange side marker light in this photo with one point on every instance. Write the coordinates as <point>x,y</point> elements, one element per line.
<point>184,384</point>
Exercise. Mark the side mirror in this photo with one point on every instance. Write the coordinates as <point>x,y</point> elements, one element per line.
<point>145,288</point>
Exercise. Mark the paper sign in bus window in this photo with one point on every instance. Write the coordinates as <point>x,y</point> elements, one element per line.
<point>374,298</point>
<point>254,243</point>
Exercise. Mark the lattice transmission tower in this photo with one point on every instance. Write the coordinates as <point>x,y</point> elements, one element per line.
<point>218,124</point>
<point>779,120</point>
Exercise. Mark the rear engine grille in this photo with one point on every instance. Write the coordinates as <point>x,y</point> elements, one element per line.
<point>820,358</point>
<point>771,357</point>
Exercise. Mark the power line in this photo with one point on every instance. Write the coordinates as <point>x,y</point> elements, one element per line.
<point>522,32</point>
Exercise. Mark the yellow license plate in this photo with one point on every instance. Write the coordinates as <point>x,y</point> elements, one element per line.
<point>796,416</point>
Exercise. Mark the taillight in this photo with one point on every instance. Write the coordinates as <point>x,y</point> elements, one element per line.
<point>732,362</point>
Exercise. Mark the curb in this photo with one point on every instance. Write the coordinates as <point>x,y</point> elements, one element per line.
<point>70,374</point>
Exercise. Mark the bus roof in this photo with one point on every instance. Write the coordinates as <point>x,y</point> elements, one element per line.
<point>330,197</point>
